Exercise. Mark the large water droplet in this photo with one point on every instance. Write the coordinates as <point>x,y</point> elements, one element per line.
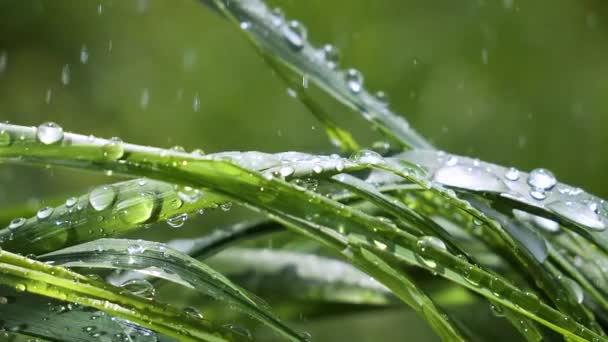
<point>354,80</point>
<point>5,138</point>
<point>470,178</point>
<point>577,212</point>
<point>541,179</point>
<point>367,157</point>
<point>102,197</point>
<point>113,149</point>
<point>295,34</point>
<point>576,290</point>
<point>138,209</point>
<point>49,133</point>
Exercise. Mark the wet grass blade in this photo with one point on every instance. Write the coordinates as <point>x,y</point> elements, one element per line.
<point>158,260</point>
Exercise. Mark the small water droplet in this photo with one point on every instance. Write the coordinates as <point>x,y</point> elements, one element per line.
<point>512,174</point>
<point>70,202</point>
<point>226,206</point>
<point>245,25</point>
<point>177,221</point>
<point>102,197</point>
<point>16,223</point>
<point>20,287</point>
<point>295,34</point>
<point>135,249</point>
<point>354,80</point>
<point>277,17</point>
<point>541,179</point>
<point>286,171</point>
<point>49,133</point>
<point>44,213</point>
<point>382,97</point>
<point>331,55</point>
<point>193,312</point>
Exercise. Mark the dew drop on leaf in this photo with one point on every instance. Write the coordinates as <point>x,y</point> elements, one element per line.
<point>44,213</point>
<point>113,149</point>
<point>5,138</point>
<point>541,179</point>
<point>177,221</point>
<point>138,209</point>
<point>295,34</point>
<point>49,133</point>
<point>16,223</point>
<point>102,197</point>
<point>354,80</point>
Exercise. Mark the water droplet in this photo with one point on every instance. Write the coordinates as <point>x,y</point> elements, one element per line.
<point>44,213</point>
<point>139,287</point>
<point>426,242</point>
<point>226,206</point>
<point>5,138</point>
<point>295,34</point>
<point>367,157</point>
<point>576,289</point>
<point>138,209</point>
<point>65,75</point>
<point>189,194</point>
<point>193,312</point>
<point>537,194</point>
<point>381,97</point>
<point>240,330</point>
<point>113,149</point>
<point>245,25</point>
<point>470,178</point>
<point>541,179</point>
<point>196,103</point>
<point>317,169</point>
<point>20,287</point>
<point>577,212</point>
<point>177,221</point>
<point>451,161</point>
<point>472,275</point>
<point>286,171</point>
<point>16,223</point>
<point>135,249</point>
<point>331,55</point>
<point>3,61</point>
<point>144,99</point>
<point>512,174</point>
<point>70,202</point>
<point>277,17</point>
<point>354,80</point>
<point>84,54</point>
<point>102,197</point>
<point>49,133</point>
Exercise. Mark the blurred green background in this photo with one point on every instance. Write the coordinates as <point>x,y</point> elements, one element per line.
<point>522,83</point>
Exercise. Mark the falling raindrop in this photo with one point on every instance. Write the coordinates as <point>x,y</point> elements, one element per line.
<point>102,197</point>
<point>84,54</point>
<point>354,80</point>
<point>3,61</point>
<point>196,103</point>
<point>144,99</point>
<point>48,96</point>
<point>49,133</point>
<point>65,75</point>
<point>295,34</point>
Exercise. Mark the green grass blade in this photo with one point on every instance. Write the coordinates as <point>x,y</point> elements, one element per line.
<point>158,260</point>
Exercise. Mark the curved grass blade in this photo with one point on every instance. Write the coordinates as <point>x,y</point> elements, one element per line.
<point>115,210</point>
<point>27,275</point>
<point>158,260</point>
<point>51,320</point>
<point>308,213</point>
<point>286,41</point>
